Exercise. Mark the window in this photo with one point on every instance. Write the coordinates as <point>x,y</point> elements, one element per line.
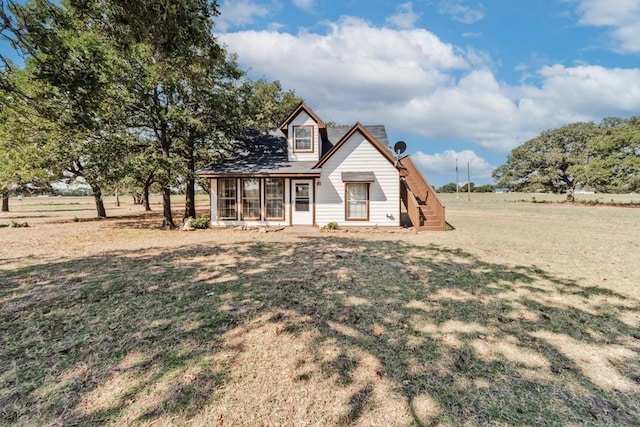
<point>302,198</point>
<point>303,138</point>
<point>251,198</point>
<point>274,198</point>
<point>357,207</point>
<point>227,198</point>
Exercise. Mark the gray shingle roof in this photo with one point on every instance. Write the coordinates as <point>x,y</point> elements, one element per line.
<point>335,134</point>
<point>266,154</point>
<point>257,154</point>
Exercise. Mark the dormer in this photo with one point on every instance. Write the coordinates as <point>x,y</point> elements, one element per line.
<point>303,131</point>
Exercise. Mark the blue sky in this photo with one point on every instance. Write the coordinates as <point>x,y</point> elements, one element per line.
<point>455,79</point>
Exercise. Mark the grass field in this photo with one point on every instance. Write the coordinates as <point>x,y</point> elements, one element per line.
<point>525,314</point>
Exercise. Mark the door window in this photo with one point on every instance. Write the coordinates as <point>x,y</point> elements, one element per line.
<point>302,198</point>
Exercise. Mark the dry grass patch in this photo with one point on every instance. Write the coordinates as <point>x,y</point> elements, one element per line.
<point>240,328</point>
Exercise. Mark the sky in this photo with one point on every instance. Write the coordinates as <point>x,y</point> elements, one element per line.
<point>461,80</point>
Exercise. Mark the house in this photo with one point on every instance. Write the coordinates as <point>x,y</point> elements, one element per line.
<point>308,173</point>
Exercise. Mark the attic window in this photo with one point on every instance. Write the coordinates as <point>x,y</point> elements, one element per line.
<point>303,138</point>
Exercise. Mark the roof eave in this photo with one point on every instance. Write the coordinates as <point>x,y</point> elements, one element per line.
<point>260,175</point>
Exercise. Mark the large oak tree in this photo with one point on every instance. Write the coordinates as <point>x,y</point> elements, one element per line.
<point>614,157</point>
<point>553,161</point>
<point>132,79</point>
<point>605,157</point>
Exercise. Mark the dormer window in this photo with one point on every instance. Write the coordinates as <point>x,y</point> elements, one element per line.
<point>303,138</point>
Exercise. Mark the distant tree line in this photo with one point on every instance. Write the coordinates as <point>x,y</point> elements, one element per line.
<point>123,94</point>
<point>604,157</point>
<point>451,188</point>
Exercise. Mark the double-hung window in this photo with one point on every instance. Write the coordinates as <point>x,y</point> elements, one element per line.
<point>357,196</point>
<point>303,138</point>
<point>250,198</point>
<point>227,198</point>
<point>274,198</point>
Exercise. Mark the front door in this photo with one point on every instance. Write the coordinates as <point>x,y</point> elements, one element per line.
<point>302,202</point>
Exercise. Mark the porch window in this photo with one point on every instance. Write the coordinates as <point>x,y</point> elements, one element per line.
<point>227,198</point>
<point>357,197</point>
<point>274,198</point>
<point>250,198</point>
<point>303,138</point>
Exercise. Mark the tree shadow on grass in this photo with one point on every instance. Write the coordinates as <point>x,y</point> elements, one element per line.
<point>133,337</point>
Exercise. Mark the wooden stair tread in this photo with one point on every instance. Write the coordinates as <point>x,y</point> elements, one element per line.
<point>429,210</point>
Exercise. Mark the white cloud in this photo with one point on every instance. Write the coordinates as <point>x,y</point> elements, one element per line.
<point>444,164</point>
<point>621,16</point>
<point>413,83</point>
<point>404,17</point>
<point>238,13</point>
<point>461,12</point>
<point>306,5</point>
<point>354,63</point>
<point>581,93</point>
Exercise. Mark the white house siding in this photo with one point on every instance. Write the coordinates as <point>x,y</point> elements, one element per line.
<point>215,222</point>
<point>303,119</point>
<point>358,155</point>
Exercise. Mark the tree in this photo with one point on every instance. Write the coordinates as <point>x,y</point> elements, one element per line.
<point>221,111</point>
<point>23,138</point>
<point>141,166</point>
<point>448,188</point>
<point>485,188</point>
<point>266,104</point>
<point>553,161</point>
<point>213,105</point>
<point>613,162</point>
<point>195,109</point>
<point>73,66</point>
<point>128,78</point>
<point>181,108</point>
<point>101,58</point>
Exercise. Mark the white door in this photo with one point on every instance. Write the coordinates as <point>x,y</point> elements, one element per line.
<point>302,202</point>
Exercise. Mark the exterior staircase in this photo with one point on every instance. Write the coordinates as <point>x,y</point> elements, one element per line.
<point>424,208</point>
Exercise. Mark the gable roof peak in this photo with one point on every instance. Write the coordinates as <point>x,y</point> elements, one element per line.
<point>301,107</point>
<point>358,127</point>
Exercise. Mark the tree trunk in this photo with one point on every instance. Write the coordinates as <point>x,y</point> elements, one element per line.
<point>190,193</point>
<point>145,198</point>
<point>97,195</point>
<point>190,199</point>
<point>5,202</point>
<point>167,220</point>
<point>167,216</point>
<point>145,193</point>
<point>570,194</point>
<point>117,198</point>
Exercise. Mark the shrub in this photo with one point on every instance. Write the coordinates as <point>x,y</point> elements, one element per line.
<point>201,222</point>
<point>13,224</point>
<point>332,226</point>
